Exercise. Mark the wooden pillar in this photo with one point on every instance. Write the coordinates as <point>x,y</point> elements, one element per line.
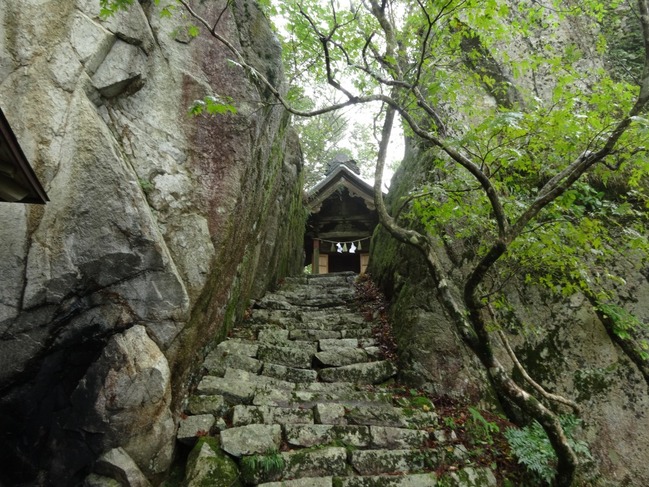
<point>315,262</point>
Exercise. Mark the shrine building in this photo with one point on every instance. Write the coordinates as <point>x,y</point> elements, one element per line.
<point>342,218</point>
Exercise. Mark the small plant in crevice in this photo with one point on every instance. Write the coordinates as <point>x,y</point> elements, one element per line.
<point>532,447</point>
<point>270,463</point>
<point>146,185</point>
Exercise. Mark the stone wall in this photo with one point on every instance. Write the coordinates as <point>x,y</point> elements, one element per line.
<point>160,226</point>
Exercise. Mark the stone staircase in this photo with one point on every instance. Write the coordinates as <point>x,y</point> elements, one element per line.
<point>294,398</point>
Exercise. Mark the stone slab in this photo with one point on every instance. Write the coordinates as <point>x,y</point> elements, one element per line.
<point>289,374</point>
<point>257,381</point>
<point>208,404</point>
<point>233,392</point>
<point>288,356</point>
<point>219,360</point>
<point>395,438</point>
<point>338,357</point>
<point>251,439</point>
<point>373,462</point>
<point>306,334</point>
<point>329,414</point>
<point>366,373</point>
<point>303,482</point>
<point>416,480</point>
<point>240,347</point>
<point>321,434</point>
<point>316,463</point>
<point>192,427</point>
<point>373,416</point>
<point>243,415</point>
<point>332,343</point>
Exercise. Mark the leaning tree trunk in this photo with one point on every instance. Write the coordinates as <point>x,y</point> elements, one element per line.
<point>469,320</point>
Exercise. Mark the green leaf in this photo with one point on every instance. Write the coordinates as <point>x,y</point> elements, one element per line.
<point>193,31</point>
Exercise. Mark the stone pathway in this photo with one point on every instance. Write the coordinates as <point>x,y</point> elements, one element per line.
<point>294,399</point>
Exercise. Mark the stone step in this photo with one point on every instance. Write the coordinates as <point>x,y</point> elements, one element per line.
<point>289,374</point>
<point>303,482</point>
<point>285,355</point>
<point>347,330</point>
<point>375,462</point>
<point>323,434</point>
<point>271,316</point>
<point>373,416</point>
<point>333,343</point>
<point>413,480</point>
<point>301,398</point>
<point>251,439</point>
<point>465,477</point>
<point>208,404</point>
<point>239,386</point>
<point>243,415</point>
<point>239,347</point>
<point>397,438</point>
<point>219,360</point>
<point>321,462</point>
<point>310,334</point>
<point>191,427</point>
<point>339,357</point>
<point>365,373</point>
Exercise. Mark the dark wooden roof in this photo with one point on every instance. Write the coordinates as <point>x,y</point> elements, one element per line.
<point>341,206</point>
<point>18,182</point>
<point>340,176</point>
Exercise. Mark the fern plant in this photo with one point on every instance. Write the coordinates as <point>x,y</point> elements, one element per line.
<point>533,449</point>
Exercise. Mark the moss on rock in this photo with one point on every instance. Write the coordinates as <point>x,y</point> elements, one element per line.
<point>208,466</point>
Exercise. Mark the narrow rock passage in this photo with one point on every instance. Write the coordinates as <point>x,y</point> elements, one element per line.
<point>294,399</point>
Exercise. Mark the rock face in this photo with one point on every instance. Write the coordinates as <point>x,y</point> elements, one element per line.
<point>572,354</point>
<point>159,229</point>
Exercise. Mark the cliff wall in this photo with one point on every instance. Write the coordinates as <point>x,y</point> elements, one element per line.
<point>561,342</point>
<point>160,227</point>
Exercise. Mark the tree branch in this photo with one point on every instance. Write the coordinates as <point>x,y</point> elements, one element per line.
<point>537,387</point>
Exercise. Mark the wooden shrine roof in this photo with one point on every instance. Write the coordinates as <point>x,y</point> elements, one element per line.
<point>18,182</point>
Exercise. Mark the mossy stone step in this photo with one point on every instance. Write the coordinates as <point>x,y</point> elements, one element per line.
<point>374,462</point>
<point>192,427</point>
<point>208,404</point>
<point>365,373</point>
<point>243,415</point>
<point>397,438</point>
<point>239,386</point>
<point>219,360</point>
<point>286,355</point>
<point>283,398</point>
<point>309,334</point>
<point>413,480</point>
<point>321,434</point>
<point>289,374</point>
<point>334,344</point>
<point>303,482</point>
<point>319,462</point>
<point>251,439</point>
<point>339,357</point>
<point>208,465</point>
